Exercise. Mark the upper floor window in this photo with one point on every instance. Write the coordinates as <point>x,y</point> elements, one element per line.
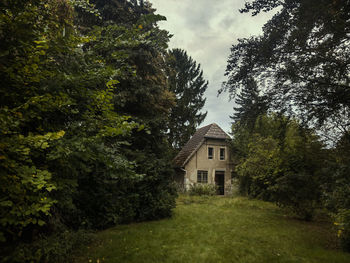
<point>222,153</point>
<point>210,152</point>
<point>202,177</point>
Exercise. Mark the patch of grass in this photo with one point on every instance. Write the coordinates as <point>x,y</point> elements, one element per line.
<point>218,229</point>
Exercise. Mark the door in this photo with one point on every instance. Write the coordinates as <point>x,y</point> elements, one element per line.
<point>220,182</point>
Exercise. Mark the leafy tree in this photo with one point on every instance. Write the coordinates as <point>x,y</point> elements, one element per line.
<point>142,94</point>
<point>26,181</point>
<point>259,170</point>
<point>186,81</point>
<point>63,162</point>
<point>282,163</point>
<point>302,55</point>
<point>121,12</point>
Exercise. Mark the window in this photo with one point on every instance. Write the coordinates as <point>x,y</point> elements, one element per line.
<point>222,153</point>
<point>202,177</point>
<point>210,152</point>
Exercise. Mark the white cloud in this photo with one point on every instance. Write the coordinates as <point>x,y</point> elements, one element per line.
<point>207,29</point>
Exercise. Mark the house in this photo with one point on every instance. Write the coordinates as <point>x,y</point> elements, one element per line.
<point>205,159</point>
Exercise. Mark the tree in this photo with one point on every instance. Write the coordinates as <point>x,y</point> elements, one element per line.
<point>51,89</point>
<point>186,81</point>
<point>123,12</point>
<point>251,105</point>
<point>142,93</point>
<point>64,163</point>
<point>302,55</point>
<point>282,163</point>
<point>26,46</point>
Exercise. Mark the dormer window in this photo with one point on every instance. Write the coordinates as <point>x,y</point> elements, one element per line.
<point>222,154</point>
<point>210,152</point>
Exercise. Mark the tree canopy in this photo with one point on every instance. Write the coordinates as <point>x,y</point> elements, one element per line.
<point>301,59</point>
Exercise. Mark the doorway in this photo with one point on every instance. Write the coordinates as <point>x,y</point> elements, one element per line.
<point>220,182</point>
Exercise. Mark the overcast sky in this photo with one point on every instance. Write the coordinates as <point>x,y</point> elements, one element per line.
<point>206,29</point>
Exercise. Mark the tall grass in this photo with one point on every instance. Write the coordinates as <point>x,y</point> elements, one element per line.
<point>218,229</point>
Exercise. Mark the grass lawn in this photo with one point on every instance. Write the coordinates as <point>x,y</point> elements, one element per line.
<point>218,229</point>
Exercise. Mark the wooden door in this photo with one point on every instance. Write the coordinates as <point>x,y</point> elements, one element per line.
<point>220,182</point>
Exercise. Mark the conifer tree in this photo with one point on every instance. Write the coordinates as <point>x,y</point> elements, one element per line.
<point>250,103</point>
<point>186,81</point>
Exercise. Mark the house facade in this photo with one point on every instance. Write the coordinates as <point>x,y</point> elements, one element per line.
<point>205,159</point>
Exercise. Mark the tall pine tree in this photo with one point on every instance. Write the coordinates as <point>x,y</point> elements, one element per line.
<point>186,81</point>
<point>251,104</point>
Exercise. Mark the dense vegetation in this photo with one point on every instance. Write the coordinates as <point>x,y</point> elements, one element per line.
<point>93,107</point>
<point>291,129</point>
<point>85,106</point>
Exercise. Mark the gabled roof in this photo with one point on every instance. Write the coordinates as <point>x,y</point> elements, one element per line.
<point>212,131</point>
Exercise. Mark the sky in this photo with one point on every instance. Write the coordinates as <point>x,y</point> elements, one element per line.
<point>207,29</point>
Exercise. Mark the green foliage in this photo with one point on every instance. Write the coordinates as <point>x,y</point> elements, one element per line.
<point>300,63</point>
<point>342,223</point>
<point>202,189</point>
<point>282,163</point>
<point>260,169</point>
<point>68,158</point>
<point>301,57</point>
<point>142,94</point>
<point>336,190</point>
<point>25,186</point>
<point>185,79</point>
<point>57,247</point>
<point>51,106</point>
<point>250,103</point>
<point>29,35</point>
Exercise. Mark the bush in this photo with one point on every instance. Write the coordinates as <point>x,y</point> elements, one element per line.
<point>336,199</point>
<point>180,188</point>
<point>297,192</point>
<point>54,248</point>
<point>155,201</point>
<point>202,189</point>
<point>342,223</point>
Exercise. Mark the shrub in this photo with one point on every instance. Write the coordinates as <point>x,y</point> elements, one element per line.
<point>298,192</point>
<point>57,247</point>
<point>343,228</point>
<point>202,189</point>
<point>180,188</point>
<point>155,202</point>
<point>336,199</point>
